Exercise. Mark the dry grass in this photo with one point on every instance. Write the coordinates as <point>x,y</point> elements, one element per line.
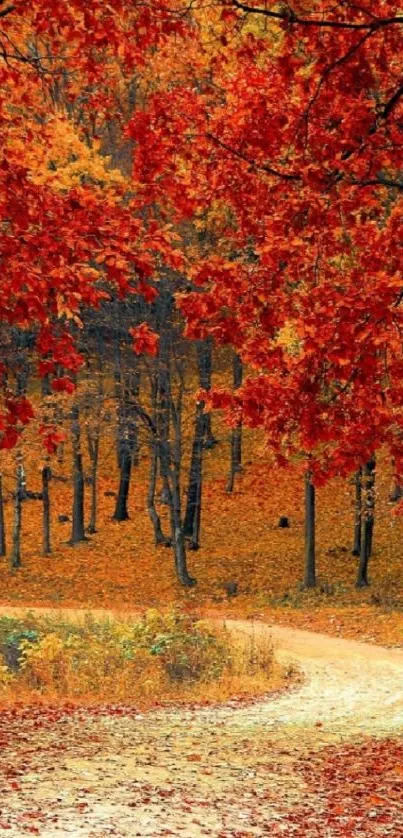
<point>158,659</point>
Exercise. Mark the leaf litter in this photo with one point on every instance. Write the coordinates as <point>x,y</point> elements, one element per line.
<point>325,759</point>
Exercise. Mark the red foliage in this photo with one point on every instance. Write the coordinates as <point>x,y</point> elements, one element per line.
<point>306,159</point>
<point>144,340</point>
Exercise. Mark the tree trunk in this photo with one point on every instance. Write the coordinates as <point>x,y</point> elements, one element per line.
<point>159,536</point>
<point>93,450</point>
<point>178,537</point>
<point>169,409</point>
<point>45,386</point>
<point>46,477</point>
<point>396,492</point>
<point>133,394</point>
<point>191,527</point>
<point>78,527</point>
<point>357,514</point>
<point>367,525</point>
<point>18,498</point>
<point>236,435</point>
<point>125,467</point>
<point>204,363</point>
<point>2,521</point>
<point>310,569</point>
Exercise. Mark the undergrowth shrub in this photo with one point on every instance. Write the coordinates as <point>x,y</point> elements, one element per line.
<point>157,656</point>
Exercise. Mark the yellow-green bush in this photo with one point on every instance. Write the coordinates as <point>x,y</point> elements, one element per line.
<point>110,659</point>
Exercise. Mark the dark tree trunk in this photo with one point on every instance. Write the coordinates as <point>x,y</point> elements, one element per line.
<point>357,514</point>
<point>396,492</point>
<point>94,434</point>
<point>45,386</point>
<point>159,536</point>
<point>17,524</point>
<point>367,524</point>
<point>93,450</point>
<point>204,351</point>
<point>78,527</point>
<point>236,435</point>
<point>310,569</point>
<point>178,537</point>
<point>170,452</point>
<point>46,477</point>
<point>191,526</point>
<point>2,521</point>
<point>125,467</point>
<point>132,395</point>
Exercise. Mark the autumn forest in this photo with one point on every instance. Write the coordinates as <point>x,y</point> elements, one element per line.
<point>201,426</point>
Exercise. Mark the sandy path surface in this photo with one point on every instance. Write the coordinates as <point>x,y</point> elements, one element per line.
<point>228,772</point>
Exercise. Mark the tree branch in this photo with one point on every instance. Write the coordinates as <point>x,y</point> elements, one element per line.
<point>7,11</point>
<point>289,16</point>
<point>380,181</point>
<point>389,106</point>
<point>258,166</point>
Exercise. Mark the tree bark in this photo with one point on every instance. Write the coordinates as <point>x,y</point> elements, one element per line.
<point>17,524</point>
<point>310,559</point>
<point>191,526</point>
<point>367,524</point>
<point>46,477</point>
<point>236,435</point>
<point>169,409</point>
<point>2,521</point>
<point>125,467</point>
<point>78,527</point>
<point>357,514</point>
<point>159,536</point>
<point>93,450</point>
<point>204,351</point>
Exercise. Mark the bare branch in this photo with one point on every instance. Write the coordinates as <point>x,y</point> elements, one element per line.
<point>289,16</point>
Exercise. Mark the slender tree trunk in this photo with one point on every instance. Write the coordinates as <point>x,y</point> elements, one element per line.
<point>357,514</point>
<point>169,410</point>
<point>191,527</point>
<point>236,435</point>
<point>367,525</point>
<point>178,535</point>
<point>94,435</point>
<point>78,526</point>
<point>310,569</point>
<point>159,536</point>
<point>204,351</point>
<point>93,450</point>
<point>45,386</point>
<point>172,489</point>
<point>133,394</point>
<point>46,477</point>
<point>396,491</point>
<point>125,467</point>
<point>17,524</point>
<point>2,521</point>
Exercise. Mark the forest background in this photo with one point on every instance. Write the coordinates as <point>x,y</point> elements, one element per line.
<point>201,209</point>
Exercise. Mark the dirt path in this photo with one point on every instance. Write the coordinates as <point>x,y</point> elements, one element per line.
<point>229,772</point>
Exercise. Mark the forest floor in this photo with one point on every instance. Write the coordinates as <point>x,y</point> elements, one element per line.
<point>119,567</point>
<point>323,759</point>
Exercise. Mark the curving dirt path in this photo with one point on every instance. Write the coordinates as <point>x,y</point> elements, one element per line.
<point>227,772</point>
